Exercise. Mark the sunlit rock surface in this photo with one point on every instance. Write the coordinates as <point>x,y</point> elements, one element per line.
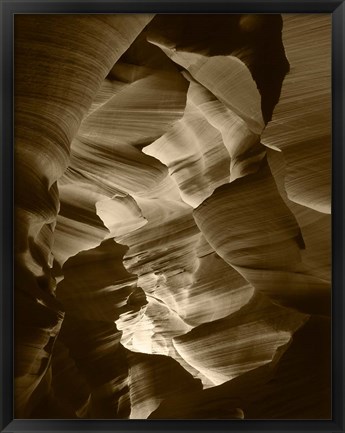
<point>172,211</point>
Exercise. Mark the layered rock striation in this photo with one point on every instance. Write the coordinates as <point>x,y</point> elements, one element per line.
<point>172,216</point>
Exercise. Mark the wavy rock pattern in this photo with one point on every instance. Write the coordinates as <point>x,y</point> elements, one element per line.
<point>52,96</point>
<point>299,126</point>
<point>270,391</point>
<point>172,248</point>
<point>224,349</point>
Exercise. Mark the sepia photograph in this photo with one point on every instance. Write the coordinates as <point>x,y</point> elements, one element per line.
<point>172,216</point>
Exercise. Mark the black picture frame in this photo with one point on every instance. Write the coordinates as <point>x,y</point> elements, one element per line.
<point>11,7</point>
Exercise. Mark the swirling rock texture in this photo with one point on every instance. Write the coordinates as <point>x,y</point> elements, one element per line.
<point>172,216</point>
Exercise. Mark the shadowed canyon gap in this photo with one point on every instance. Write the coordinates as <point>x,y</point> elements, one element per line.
<point>172,216</point>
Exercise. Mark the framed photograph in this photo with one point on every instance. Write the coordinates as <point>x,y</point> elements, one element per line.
<point>172,216</point>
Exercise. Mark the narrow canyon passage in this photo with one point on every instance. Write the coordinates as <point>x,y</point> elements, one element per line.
<point>172,216</point>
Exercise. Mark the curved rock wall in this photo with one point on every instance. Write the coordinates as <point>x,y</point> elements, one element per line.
<point>172,216</point>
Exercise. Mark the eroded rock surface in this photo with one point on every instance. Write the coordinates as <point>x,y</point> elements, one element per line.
<point>172,211</point>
